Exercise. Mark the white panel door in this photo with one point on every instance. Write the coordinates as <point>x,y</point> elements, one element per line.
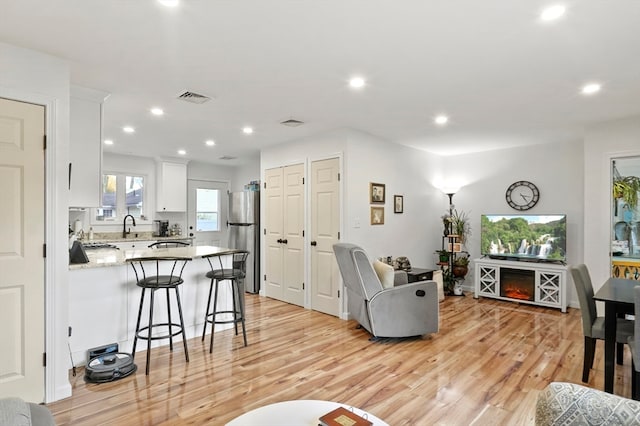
<point>21,260</point>
<point>325,226</point>
<point>207,209</point>
<point>273,196</point>
<point>284,238</point>
<point>293,242</point>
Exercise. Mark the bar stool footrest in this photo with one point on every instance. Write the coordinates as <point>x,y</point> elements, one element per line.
<point>160,337</point>
<point>237,317</point>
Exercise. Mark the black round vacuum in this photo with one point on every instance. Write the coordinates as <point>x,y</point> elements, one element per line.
<point>109,367</point>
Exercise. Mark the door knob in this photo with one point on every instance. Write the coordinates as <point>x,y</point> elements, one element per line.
<point>284,241</point>
<point>191,234</point>
<point>279,240</point>
<point>313,243</point>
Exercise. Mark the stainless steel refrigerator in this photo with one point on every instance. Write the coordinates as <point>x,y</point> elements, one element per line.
<point>244,232</point>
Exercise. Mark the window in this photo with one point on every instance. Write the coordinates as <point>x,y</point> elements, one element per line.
<point>207,206</point>
<point>121,195</point>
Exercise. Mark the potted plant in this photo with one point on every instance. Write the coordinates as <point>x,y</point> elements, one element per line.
<point>461,265</point>
<point>448,281</point>
<point>443,256</point>
<point>460,225</point>
<point>627,188</point>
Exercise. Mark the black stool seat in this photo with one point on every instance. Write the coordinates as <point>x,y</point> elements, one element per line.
<point>148,277</point>
<point>226,274</point>
<point>235,277</point>
<point>160,281</point>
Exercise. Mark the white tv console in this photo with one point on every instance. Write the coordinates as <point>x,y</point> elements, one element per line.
<point>549,283</point>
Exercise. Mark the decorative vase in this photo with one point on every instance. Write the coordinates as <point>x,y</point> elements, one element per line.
<point>457,289</point>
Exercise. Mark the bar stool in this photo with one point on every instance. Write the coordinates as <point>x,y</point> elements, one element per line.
<point>235,276</point>
<point>148,276</point>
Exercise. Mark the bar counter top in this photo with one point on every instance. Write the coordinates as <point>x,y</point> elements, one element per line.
<point>114,257</point>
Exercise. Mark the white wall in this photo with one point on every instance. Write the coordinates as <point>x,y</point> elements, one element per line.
<point>245,173</point>
<point>416,233</point>
<point>35,77</point>
<point>404,171</point>
<point>557,171</point>
<point>619,138</point>
<point>205,171</point>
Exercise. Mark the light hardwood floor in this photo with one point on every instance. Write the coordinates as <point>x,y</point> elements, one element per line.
<point>486,366</point>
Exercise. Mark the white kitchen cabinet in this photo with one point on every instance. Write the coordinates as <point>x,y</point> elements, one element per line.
<point>171,187</point>
<point>85,147</point>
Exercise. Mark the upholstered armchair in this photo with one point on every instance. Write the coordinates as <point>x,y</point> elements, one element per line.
<point>403,311</point>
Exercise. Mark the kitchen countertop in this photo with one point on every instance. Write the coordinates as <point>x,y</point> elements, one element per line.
<point>113,257</point>
<point>105,238</point>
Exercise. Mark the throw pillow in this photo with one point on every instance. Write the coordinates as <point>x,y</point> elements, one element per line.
<point>384,272</point>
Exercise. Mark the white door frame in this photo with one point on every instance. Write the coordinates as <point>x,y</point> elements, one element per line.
<point>55,227</point>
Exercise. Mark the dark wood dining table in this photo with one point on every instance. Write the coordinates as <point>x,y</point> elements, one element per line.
<point>617,295</point>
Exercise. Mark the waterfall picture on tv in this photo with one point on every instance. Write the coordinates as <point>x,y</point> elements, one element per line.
<point>524,237</point>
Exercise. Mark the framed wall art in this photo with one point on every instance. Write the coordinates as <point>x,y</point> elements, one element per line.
<point>398,204</point>
<point>376,193</point>
<point>377,215</point>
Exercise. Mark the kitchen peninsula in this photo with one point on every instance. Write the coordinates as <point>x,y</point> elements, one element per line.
<point>104,297</point>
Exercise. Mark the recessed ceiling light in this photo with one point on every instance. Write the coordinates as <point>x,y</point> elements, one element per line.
<point>210,142</point>
<point>356,82</point>
<point>169,3</point>
<point>591,89</point>
<point>441,120</point>
<point>128,129</point>
<point>247,130</point>
<point>182,152</point>
<point>108,142</point>
<point>552,13</point>
<point>157,111</point>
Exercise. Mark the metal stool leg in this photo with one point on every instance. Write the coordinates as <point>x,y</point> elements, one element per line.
<point>206,313</point>
<point>135,336</point>
<point>169,320</point>
<point>184,334</point>
<point>149,330</point>
<point>213,315</point>
<point>235,307</point>
<point>237,291</point>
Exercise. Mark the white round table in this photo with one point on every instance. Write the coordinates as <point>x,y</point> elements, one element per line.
<point>304,412</point>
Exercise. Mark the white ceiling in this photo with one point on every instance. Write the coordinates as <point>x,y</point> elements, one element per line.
<point>504,77</point>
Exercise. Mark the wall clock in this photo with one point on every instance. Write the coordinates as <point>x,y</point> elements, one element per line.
<point>522,195</point>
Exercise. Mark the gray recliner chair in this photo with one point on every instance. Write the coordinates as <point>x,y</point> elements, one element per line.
<point>403,311</point>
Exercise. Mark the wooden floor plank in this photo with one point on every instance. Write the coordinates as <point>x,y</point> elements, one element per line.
<point>486,366</point>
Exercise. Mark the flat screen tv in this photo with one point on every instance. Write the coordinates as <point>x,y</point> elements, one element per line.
<point>524,237</point>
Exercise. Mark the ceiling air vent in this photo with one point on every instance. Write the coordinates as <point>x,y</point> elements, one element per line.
<point>292,123</point>
<point>194,98</point>
<point>227,157</point>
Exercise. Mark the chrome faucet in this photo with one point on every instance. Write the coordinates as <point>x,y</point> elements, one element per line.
<point>124,225</point>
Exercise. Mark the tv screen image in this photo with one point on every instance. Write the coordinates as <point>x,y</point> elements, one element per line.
<point>524,237</point>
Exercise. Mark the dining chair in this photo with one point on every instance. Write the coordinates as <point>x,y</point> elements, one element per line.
<point>592,324</point>
<point>634,345</point>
